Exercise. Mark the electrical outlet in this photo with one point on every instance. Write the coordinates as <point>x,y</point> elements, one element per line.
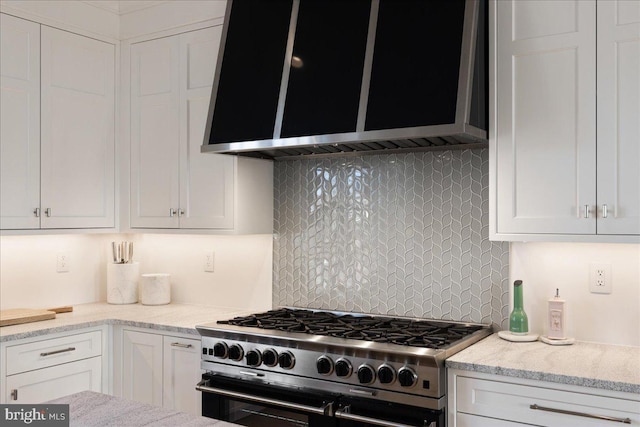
<point>600,278</point>
<point>62,265</point>
<point>208,261</point>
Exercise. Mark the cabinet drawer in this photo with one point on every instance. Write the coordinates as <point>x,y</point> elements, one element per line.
<point>512,402</point>
<point>42,354</point>
<point>54,382</point>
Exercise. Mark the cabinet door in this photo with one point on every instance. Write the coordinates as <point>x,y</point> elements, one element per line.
<point>57,381</point>
<point>206,181</point>
<point>545,115</point>
<point>142,367</point>
<point>19,123</point>
<point>78,127</point>
<point>618,117</point>
<point>181,374</point>
<point>155,133</point>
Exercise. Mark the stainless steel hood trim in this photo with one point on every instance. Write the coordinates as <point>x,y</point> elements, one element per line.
<point>284,83</point>
<point>467,58</point>
<point>469,132</point>
<point>461,130</point>
<point>368,64</point>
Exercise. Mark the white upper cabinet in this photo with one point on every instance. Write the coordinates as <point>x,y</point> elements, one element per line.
<point>57,128</point>
<point>618,124</point>
<point>78,128</point>
<point>173,184</point>
<point>19,123</point>
<point>564,140</point>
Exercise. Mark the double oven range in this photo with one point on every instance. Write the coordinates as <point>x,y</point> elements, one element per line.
<point>297,367</point>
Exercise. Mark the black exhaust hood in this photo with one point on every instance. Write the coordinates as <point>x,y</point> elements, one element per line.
<point>310,77</point>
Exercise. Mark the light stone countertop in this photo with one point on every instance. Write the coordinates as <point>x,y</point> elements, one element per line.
<point>601,366</point>
<point>91,409</point>
<point>180,318</point>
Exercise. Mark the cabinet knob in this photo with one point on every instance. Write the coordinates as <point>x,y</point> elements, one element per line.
<point>36,212</point>
<point>605,211</point>
<point>180,212</point>
<point>14,394</point>
<point>586,211</point>
<point>47,212</point>
<point>172,212</point>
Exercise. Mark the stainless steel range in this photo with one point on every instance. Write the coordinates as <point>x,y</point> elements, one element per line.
<point>300,367</point>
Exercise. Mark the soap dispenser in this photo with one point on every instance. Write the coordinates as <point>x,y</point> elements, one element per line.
<point>556,318</point>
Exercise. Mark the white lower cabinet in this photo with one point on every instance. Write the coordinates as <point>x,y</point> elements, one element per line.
<point>51,383</point>
<point>162,370</point>
<point>490,400</point>
<point>38,370</point>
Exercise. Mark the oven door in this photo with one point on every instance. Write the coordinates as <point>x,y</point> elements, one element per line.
<point>251,403</point>
<point>355,412</point>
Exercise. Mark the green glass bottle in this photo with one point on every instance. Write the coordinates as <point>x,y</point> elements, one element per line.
<point>518,322</point>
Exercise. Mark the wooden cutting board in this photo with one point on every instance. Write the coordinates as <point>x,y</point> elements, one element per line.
<point>15,316</point>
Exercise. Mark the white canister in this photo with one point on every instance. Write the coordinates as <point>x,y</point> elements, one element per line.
<point>155,289</point>
<point>122,283</point>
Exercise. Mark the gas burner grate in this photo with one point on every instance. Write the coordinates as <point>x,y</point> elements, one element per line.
<point>405,332</point>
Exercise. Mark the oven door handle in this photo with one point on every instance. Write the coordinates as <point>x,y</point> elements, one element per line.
<point>346,414</point>
<point>325,409</point>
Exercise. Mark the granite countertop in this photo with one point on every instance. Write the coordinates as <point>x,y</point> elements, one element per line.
<point>600,366</point>
<point>91,409</point>
<point>180,318</point>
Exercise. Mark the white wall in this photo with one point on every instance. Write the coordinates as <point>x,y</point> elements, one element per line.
<point>242,276</point>
<point>28,276</point>
<point>543,267</point>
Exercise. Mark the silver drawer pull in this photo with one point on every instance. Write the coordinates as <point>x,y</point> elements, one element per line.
<point>345,414</point>
<point>50,353</point>
<point>325,409</point>
<point>581,414</point>
<point>177,344</point>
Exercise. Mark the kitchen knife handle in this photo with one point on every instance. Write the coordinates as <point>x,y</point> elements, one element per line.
<point>581,414</point>
<point>51,353</point>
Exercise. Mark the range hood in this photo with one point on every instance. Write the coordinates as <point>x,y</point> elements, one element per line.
<point>318,78</point>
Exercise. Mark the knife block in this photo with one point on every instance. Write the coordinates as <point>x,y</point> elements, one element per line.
<point>122,283</point>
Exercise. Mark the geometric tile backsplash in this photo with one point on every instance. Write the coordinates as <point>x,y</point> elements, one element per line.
<point>399,234</point>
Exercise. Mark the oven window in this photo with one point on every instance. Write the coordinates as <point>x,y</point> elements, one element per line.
<point>247,414</point>
<point>238,401</point>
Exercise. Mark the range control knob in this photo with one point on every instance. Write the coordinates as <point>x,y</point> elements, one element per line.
<point>236,352</point>
<point>366,374</point>
<point>324,365</point>
<point>386,374</point>
<point>254,358</point>
<point>343,368</point>
<point>407,377</point>
<point>221,350</point>
<point>270,357</point>
<point>286,360</point>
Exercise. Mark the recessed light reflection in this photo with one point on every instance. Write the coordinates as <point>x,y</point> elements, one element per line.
<point>296,62</point>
